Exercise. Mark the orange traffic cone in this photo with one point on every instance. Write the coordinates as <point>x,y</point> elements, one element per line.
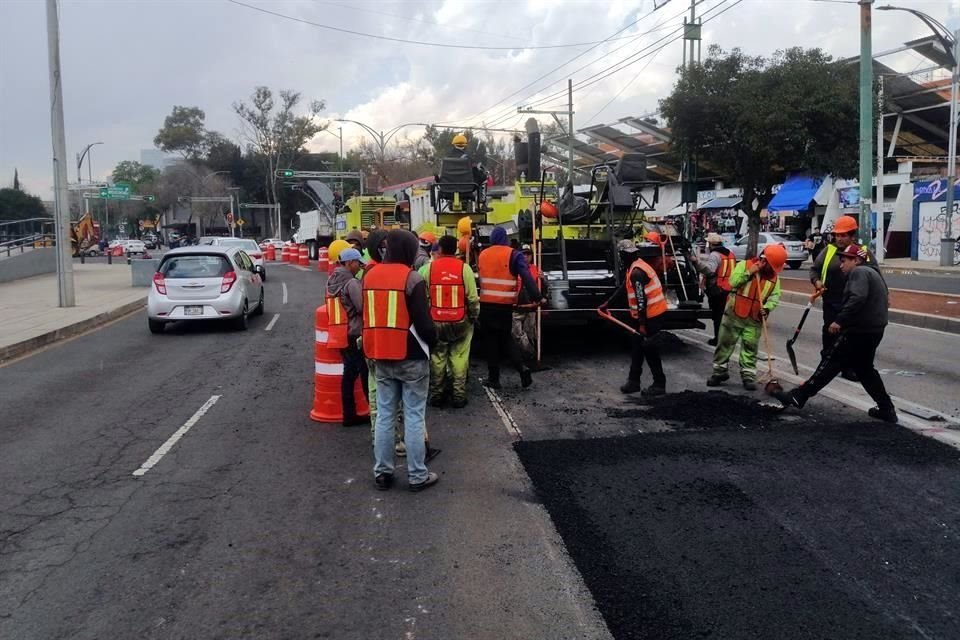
<point>327,376</point>
<point>285,253</point>
<point>270,253</point>
<point>304,256</point>
<point>323,260</point>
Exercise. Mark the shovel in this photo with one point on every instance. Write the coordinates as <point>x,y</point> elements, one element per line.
<point>606,315</point>
<point>796,332</point>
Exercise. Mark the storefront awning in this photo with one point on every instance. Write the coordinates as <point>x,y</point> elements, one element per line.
<point>721,203</point>
<point>796,194</point>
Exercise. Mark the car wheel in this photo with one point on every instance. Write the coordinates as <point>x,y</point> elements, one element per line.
<point>795,264</point>
<point>155,326</point>
<point>259,310</point>
<point>241,322</point>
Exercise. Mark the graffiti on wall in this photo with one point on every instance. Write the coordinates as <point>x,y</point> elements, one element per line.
<point>932,221</point>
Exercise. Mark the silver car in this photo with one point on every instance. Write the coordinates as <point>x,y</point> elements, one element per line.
<point>205,283</point>
<point>250,247</point>
<point>795,252</point>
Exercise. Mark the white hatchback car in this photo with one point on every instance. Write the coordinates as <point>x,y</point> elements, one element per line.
<point>205,283</point>
<point>249,246</point>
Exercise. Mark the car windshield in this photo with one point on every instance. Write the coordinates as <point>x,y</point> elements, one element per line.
<point>195,266</point>
<point>246,245</point>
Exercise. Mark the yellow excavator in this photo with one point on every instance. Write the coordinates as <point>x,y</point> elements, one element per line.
<point>84,235</point>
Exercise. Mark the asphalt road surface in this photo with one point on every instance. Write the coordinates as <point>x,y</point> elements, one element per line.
<point>947,283</point>
<point>699,514</point>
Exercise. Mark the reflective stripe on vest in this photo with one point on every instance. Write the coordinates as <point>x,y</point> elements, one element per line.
<point>727,263</point>
<point>447,290</point>
<point>653,291</point>
<point>535,274</point>
<point>337,336</point>
<point>832,250</point>
<point>497,284</point>
<point>386,321</point>
<point>748,301</point>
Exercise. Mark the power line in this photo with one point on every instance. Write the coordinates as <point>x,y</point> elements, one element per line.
<point>415,42</point>
<point>579,55</point>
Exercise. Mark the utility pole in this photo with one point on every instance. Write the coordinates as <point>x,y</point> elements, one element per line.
<point>947,242</point>
<point>340,131</point>
<point>61,193</point>
<point>881,223</point>
<point>866,119</point>
<point>691,35</point>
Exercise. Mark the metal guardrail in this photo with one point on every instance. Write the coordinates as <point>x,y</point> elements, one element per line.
<point>33,241</point>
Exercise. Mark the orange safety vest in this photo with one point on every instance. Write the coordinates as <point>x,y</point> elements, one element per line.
<point>447,290</point>
<point>386,320</point>
<point>535,274</point>
<point>727,263</point>
<point>656,302</point>
<point>749,298</point>
<point>497,284</point>
<point>337,337</point>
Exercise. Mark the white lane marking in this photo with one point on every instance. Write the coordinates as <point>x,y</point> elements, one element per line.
<point>505,416</point>
<point>172,440</point>
<point>935,430</point>
<point>272,322</point>
<point>283,285</point>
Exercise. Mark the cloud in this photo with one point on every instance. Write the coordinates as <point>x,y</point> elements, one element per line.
<point>127,63</point>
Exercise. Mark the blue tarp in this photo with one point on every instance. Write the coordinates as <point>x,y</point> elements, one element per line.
<point>795,194</point>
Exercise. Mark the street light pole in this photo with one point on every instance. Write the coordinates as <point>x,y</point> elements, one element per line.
<point>64,254</point>
<point>866,119</point>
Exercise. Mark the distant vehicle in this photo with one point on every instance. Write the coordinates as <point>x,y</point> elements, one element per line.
<point>249,246</point>
<point>205,283</point>
<point>150,240</point>
<point>315,231</point>
<point>795,252</point>
<point>276,242</point>
<point>129,246</point>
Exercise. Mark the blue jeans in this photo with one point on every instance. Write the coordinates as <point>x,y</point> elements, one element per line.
<point>406,381</point>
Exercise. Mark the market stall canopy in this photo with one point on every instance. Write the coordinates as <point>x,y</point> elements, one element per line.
<point>796,194</point>
<point>721,203</point>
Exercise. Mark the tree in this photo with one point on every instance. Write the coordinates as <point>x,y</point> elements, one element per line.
<point>135,174</point>
<point>755,119</point>
<point>275,133</point>
<point>19,205</point>
<point>185,133</point>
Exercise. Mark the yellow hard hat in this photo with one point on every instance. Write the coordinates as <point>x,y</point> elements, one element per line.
<point>333,251</point>
<point>464,225</point>
<point>460,141</point>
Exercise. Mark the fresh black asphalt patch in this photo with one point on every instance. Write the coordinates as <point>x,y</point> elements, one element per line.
<point>740,524</point>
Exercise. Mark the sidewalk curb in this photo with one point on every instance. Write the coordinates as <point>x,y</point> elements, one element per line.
<point>19,349</point>
<point>935,273</point>
<point>909,318</point>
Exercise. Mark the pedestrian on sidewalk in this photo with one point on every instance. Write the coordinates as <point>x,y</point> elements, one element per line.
<point>645,297</point>
<point>500,266</point>
<point>398,334</point>
<point>858,330</point>
<point>454,307</point>
<point>755,286</point>
<point>525,311</point>
<point>345,310</point>
<point>716,270</point>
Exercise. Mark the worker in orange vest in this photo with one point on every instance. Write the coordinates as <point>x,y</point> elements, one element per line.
<point>454,307</point>
<point>524,312</point>
<point>756,292</point>
<point>716,271</point>
<point>345,311</point>
<point>500,266</point>
<point>647,303</point>
<point>398,334</point>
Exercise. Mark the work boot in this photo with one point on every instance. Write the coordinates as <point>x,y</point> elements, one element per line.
<point>458,403</point>
<point>431,480</point>
<point>712,342</point>
<point>492,380</point>
<point>526,378</point>
<point>436,402</point>
<point>749,385</point>
<point>383,481</point>
<point>632,386</point>
<point>887,415</point>
<point>717,379</point>
<point>788,398</point>
<point>655,390</point>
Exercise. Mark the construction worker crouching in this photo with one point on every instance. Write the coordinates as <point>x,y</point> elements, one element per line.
<point>755,293</point>
<point>454,307</point>
<point>716,270</point>
<point>500,266</point>
<point>345,310</point>
<point>645,297</point>
<point>525,311</point>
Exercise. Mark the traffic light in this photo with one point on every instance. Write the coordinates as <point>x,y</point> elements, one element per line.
<point>284,173</point>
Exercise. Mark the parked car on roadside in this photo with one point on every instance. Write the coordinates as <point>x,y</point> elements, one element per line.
<point>795,253</point>
<point>205,283</point>
<point>130,246</point>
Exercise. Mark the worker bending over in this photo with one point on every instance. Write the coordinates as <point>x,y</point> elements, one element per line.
<point>454,307</point>
<point>755,287</point>
<point>857,329</point>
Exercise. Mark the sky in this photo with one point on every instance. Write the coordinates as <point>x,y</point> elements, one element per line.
<point>127,62</point>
